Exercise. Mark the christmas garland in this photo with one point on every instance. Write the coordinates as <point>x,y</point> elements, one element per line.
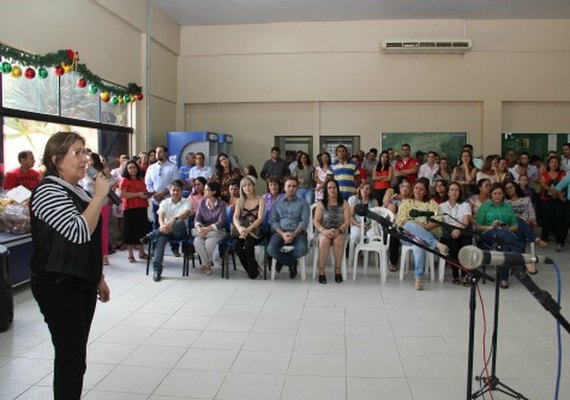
<point>65,61</point>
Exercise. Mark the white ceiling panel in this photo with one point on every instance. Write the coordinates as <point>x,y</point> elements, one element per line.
<point>230,12</point>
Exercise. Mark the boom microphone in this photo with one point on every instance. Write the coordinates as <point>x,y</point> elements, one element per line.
<point>472,257</point>
<point>419,213</point>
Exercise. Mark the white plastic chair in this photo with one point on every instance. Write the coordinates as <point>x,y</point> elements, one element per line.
<point>374,242</point>
<point>407,251</point>
<point>316,257</point>
<point>300,262</point>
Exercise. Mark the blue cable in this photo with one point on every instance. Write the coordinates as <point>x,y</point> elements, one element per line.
<point>558,336</point>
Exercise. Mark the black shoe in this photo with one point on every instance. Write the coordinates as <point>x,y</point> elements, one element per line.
<point>157,277</point>
<point>293,271</point>
<point>175,253</point>
<point>145,239</point>
<point>338,278</point>
<point>278,266</point>
<point>322,279</point>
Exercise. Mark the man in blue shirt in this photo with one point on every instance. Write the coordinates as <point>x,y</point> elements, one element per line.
<point>289,219</point>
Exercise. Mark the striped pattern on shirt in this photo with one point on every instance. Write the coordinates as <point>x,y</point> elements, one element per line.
<point>52,204</point>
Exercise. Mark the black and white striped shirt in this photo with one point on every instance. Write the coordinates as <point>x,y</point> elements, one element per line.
<point>53,205</point>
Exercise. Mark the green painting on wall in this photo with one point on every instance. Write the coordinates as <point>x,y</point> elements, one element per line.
<point>446,144</point>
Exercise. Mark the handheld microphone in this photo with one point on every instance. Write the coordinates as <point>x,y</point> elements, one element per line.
<point>472,257</point>
<point>419,213</point>
<point>92,173</point>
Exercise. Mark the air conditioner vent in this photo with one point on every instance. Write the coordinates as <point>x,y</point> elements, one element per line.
<point>418,46</point>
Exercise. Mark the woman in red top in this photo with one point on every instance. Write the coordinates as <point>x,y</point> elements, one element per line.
<point>135,204</point>
<point>553,205</point>
<point>382,177</point>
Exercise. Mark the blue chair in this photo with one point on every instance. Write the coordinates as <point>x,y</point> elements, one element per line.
<point>187,244</point>
<point>226,245</point>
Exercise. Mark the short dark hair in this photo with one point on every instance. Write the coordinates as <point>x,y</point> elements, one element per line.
<point>56,149</point>
<point>214,187</point>
<point>163,148</point>
<point>276,148</point>
<point>23,155</point>
<point>178,183</point>
<point>406,145</point>
<point>201,179</point>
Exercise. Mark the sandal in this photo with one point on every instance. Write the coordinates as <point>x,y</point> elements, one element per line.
<point>531,269</point>
<point>504,285</point>
<point>541,243</point>
<point>144,256</point>
<point>393,268</point>
<point>132,259</point>
<point>443,249</point>
<point>105,260</point>
<point>456,281</point>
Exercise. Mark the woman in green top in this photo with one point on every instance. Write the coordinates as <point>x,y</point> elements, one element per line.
<point>498,222</point>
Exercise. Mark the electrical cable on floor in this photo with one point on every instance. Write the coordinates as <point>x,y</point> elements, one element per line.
<point>558,338</point>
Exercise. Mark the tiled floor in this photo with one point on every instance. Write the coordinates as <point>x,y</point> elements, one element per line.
<point>206,338</point>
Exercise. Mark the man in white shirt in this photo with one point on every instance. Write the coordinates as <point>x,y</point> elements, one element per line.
<point>429,169</point>
<point>173,213</point>
<point>157,179</point>
<point>525,167</point>
<point>565,159</point>
<point>200,169</point>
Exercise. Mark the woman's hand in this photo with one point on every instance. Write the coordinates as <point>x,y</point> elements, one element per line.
<point>103,291</point>
<point>455,233</point>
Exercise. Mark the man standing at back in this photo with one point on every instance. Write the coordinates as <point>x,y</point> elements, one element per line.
<point>275,166</point>
<point>157,179</point>
<point>407,167</point>
<point>289,219</point>
<point>345,172</point>
<point>24,174</point>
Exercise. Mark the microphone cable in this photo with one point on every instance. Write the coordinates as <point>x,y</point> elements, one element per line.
<point>558,335</point>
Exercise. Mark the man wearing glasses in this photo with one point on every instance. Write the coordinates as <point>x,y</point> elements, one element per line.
<point>157,179</point>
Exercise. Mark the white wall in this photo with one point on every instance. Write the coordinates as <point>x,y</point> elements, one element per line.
<point>335,72</point>
<point>110,38</point>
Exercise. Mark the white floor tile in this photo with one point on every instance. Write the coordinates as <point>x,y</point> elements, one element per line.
<point>220,340</point>
<point>172,338</point>
<point>257,387</point>
<point>320,344</point>
<point>371,388</point>
<point>188,383</point>
<point>314,388</point>
<point>154,356</point>
<point>261,362</point>
<point>207,360</point>
<point>132,380</point>
<point>270,342</point>
<point>318,365</point>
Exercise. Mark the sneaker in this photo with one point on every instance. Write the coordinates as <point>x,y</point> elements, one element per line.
<point>157,277</point>
<point>419,284</point>
<point>176,253</point>
<point>278,266</point>
<point>145,239</point>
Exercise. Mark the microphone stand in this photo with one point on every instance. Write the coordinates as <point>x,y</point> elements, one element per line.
<point>543,297</point>
<point>473,277</point>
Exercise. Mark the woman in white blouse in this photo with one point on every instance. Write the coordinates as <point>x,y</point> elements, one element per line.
<point>456,213</point>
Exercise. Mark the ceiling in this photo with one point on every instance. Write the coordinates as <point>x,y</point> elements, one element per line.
<point>230,12</point>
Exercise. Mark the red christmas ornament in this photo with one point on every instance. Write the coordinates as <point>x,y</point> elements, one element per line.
<point>81,83</point>
<point>59,71</point>
<point>70,54</point>
<point>139,96</point>
<point>30,73</point>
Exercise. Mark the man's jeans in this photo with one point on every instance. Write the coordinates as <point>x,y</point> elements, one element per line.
<point>299,244</point>
<point>179,232</point>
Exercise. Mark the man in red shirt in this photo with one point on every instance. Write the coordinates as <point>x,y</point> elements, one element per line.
<point>24,175</point>
<point>406,167</point>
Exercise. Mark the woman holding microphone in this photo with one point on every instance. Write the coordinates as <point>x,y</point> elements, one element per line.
<point>67,262</point>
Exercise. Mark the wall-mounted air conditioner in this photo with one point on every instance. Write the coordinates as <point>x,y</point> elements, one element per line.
<point>419,46</point>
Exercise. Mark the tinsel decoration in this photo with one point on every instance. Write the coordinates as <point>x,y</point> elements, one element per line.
<point>61,62</point>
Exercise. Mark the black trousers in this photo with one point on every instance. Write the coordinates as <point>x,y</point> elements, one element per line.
<point>67,304</point>
<point>245,250</point>
<point>554,220</point>
<point>454,246</point>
